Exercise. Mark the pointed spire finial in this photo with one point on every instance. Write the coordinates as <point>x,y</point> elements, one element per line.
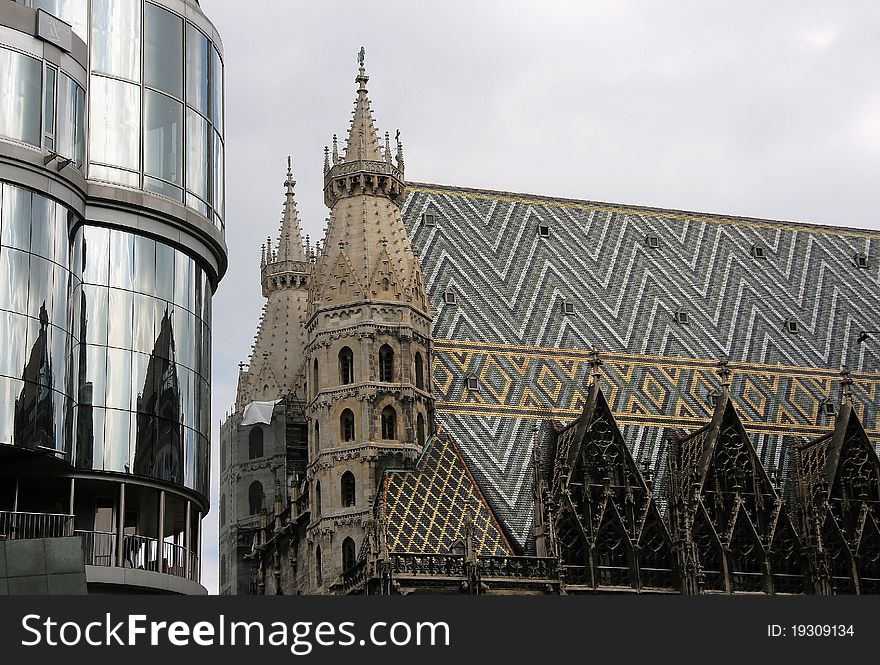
<point>335,150</point>
<point>724,372</point>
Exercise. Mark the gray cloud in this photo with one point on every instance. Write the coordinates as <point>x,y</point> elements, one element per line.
<point>752,108</point>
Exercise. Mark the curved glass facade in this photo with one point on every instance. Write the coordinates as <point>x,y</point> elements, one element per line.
<point>140,362</point>
<point>41,106</point>
<point>34,282</point>
<point>157,109</point>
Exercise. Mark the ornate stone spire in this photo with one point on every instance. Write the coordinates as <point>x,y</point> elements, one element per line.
<point>366,251</point>
<point>364,166</point>
<point>290,244</point>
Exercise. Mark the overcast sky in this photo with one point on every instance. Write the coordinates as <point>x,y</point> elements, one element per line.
<point>765,109</point>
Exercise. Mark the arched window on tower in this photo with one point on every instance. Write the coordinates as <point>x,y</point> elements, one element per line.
<point>319,572</point>
<point>386,364</point>
<point>386,285</point>
<point>346,425</point>
<point>315,385</point>
<point>222,510</point>
<point>420,429</point>
<point>389,423</point>
<point>318,499</point>
<point>346,365</point>
<point>255,497</point>
<point>317,435</point>
<point>420,372</point>
<point>348,490</point>
<point>348,554</point>
<point>255,443</point>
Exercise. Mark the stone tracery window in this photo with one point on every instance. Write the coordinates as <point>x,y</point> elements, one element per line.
<point>386,364</point>
<point>389,423</point>
<point>346,425</point>
<point>346,365</point>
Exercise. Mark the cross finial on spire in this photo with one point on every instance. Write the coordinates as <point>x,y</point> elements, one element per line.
<point>724,372</point>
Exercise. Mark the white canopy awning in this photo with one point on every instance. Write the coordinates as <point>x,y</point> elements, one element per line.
<point>258,412</point>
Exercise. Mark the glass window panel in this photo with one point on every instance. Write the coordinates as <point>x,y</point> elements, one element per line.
<point>145,322</point>
<point>92,390</point>
<point>163,136</point>
<point>95,315</point>
<point>119,320</point>
<point>185,339</point>
<point>49,109</point>
<point>60,283</point>
<point>196,69</point>
<point>191,456</point>
<point>43,227</point>
<point>21,100</point>
<point>13,280</point>
<point>216,90</point>
<point>79,143</point>
<point>165,189</point>
<point>121,259</point>
<point>117,439</point>
<point>72,12</point>
<point>96,255</point>
<point>63,218</point>
<point>13,328</point>
<point>110,174</point>
<point>164,272</point>
<point>39,283</point>
<point>115,123</point>
<point>218,178</point>
<point>93,440</point>
<point>16,218</point>
<point>204,407</point>
<point>187,380</point>
<point>116,38</point>
<point>197,152</point>
<point>58,344</point>
<point>118,379</point>
<point>163,38</point>
<point>10,389</point>
<point>195,203</point>
<point>144,264</point>
<point>66,138</point>
<point>184,275</point>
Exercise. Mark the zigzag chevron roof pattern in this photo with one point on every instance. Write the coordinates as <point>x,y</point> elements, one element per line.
<point>510,284</point>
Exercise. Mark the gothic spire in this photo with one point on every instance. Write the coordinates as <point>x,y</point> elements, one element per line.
<point>363,139</point>
<point>290,244</point>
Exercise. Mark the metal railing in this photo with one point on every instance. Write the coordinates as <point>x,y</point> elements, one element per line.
<point>22,526</point>
<point>99,547</point>
<point>139,552</point>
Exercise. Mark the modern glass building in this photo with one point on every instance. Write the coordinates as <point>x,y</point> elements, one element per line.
<point>111,247</point>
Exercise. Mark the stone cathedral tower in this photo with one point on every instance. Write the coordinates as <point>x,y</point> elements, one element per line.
<point>263,441</point>
<point>368,326</point>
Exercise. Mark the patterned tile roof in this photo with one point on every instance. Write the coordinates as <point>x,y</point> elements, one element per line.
<point>509,327</point>
<point>426,509</point>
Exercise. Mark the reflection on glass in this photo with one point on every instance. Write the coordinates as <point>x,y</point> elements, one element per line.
<point>216,90</point>
<point>196,69</point>
<point>116,38</point>
<point>163,134</point>
<point>110,174</point>
<point>14,327</point>
<point>9,391</point>
<point>197,154</point>
<point>163,36</point>
<point>184,282</point>
<point>16,215</point>
<point>43,227</point>
<point>13,280</point>
<point>38,278</point>
<point>95,267</point>
<point>121,259</point>
<point>145,322</point>
<point>95,299</point>
<point>34,411</point>
<point>118,373</point>
<point>158,451</point>
<point>21,79</point>
<point>119,319</point>
<point>115,123</point>
<point>117,437</point>
<point>71,119</point>
<point>164,272</point>
<point>144,264</point>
